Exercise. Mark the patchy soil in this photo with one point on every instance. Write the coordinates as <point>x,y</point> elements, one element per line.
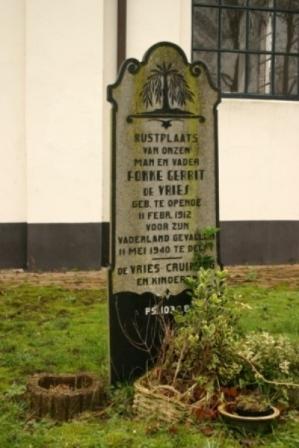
<point>284,275</point>
<point>67,280</point>
<point>278,275</point>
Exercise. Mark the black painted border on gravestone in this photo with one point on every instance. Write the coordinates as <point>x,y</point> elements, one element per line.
<point>129,357</point>
<point>135,342</point>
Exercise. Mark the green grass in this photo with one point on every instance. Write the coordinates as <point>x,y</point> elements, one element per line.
<point>274,310</point>
<point>54,330</point>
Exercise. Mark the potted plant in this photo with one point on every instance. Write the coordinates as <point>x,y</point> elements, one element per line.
<point>250,412</point>
<point>252,405</point>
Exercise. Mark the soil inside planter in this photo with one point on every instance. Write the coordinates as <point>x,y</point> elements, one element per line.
<point>60,384</point>
<point>235,410</point>
<point>248,413</point>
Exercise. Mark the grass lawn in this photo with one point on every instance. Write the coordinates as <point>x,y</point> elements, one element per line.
<point>55,330</point>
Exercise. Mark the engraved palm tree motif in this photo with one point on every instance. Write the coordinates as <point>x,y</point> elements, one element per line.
<point>166,86</point>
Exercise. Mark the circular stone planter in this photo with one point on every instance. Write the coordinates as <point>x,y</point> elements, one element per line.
<point>260,424</point>
<point>63,396</point>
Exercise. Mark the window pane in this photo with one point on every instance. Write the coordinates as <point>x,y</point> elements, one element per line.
<point>260,31</point>
<point>210,59</point>
<point>234,2</point>
<point>266,67</point>
<point>286,75</point>
<point>259,73</point>
<point>205,28</point>
<point>206,2</point>
<point>233,29</point>
<point>292,5</point>
<point>232,72</point>
<point>287,32</point>
<point>261,3</point>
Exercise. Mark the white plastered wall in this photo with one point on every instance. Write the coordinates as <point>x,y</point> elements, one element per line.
<point>259,160</point>
<point>66,123</point>
<point>109,77</point>
<point>57,93</point>
<point>12,120</point>
<point>149,22</point>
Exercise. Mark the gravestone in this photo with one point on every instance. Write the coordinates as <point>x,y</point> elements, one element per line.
<point>164,193</point>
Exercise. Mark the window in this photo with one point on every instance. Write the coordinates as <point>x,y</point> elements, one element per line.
<point>251,47</point>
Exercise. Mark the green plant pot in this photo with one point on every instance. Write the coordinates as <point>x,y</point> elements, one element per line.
<point>258,424</point>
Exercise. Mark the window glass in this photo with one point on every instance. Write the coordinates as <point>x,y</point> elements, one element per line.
<point>261,3</point>
<point>251,47</point>
<point>233,29</point>
<point>287,32</point>
<point>286,75</point>
<point>210,59</point>
<point>205,35</point>
<point>292,5</point>
<point>259,74</point>
<point>260,31</point>
<point>232,72</point>
<point>206,2</point>
<point>234,2</point>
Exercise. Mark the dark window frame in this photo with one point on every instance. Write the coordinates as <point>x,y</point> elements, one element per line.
<point>274,10</point>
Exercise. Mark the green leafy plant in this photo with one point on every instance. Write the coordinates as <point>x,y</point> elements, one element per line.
<point>198,354</point>
<point>205,353</point>
<point>204,257</point>
<point>270,361</point>
<point>252,405</point>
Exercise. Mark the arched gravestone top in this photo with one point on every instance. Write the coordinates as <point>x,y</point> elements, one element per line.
<point>164,175</point>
